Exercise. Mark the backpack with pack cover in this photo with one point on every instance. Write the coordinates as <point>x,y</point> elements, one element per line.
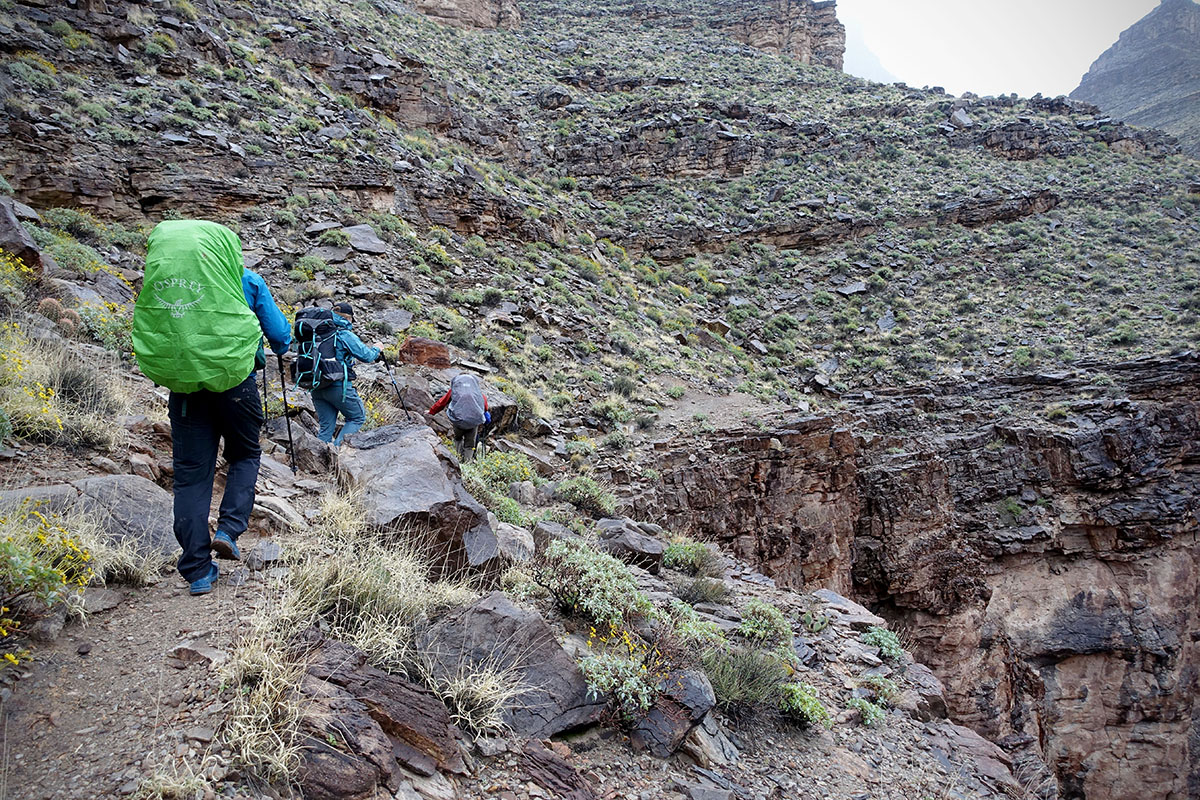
<point>316,365</point>
<point>466,402</point>
<point>192,327</point>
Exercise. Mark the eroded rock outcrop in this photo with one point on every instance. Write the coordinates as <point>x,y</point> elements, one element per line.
<point>1043,561</point>
<point>806,29</point>
<point>473,13</point>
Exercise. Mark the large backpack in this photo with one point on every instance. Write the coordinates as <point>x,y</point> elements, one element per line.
<point>192,327</point>
<point>466,402</point>
<point>316,365</point>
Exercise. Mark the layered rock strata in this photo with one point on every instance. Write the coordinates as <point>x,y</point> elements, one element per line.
<point>1042,560</point>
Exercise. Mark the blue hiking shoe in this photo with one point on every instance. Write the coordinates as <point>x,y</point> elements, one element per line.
<point>206,584</point>
<point>224,546</point>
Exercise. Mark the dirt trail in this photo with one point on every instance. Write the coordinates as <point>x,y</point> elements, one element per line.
<point>107,705</point>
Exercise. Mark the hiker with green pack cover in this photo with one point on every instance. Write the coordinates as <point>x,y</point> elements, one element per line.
<point>198,326</point>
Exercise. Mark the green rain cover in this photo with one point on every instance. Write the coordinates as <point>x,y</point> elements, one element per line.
<point>192,327</point>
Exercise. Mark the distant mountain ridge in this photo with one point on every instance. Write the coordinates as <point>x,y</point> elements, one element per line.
<point>1151,76</point>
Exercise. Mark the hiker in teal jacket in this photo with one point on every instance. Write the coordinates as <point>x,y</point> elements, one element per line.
<point>341,396</point>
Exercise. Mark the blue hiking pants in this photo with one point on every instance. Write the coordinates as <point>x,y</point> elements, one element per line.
<point>199,421</point>
<point>338,397</point>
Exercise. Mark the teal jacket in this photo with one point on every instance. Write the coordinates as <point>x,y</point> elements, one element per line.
<point>350,347</point>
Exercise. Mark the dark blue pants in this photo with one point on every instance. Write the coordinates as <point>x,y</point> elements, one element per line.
<point>199,421</point>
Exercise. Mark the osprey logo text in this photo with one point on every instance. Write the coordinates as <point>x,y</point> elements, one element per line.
<point>178,295</point>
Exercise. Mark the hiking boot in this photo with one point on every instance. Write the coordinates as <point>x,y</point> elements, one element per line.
<point>206,584</point>
<point>224,546</point>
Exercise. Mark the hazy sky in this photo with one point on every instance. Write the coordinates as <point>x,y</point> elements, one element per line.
<point>1022,46</point>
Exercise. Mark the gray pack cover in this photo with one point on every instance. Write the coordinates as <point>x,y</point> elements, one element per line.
<point>466,402</point>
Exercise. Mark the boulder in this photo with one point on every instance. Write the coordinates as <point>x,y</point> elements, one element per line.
<point>312,455</point>
<point>126,507</point>
<point>961,119</point>
<point>552,97</point>
<point>363,728</point>
<point>628,541</point>
<point>547,531</point>
<point>925,698</point>
<point>496,633</point>
<point>364,239</point>
<point>515,543</point>
<point>684,699</point>
<point>410,483</point>
<point>425,353</point>
<point>15,239</point>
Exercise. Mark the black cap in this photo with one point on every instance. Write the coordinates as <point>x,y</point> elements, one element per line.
<point>344,309</point>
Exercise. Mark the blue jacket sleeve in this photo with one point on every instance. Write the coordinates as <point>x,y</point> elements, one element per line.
<point>274,324</point>
<point>354,346</point>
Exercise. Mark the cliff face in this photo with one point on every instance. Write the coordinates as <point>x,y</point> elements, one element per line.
<point>806,29</point>
<point>473,13</point>
<point>1042,560</point>
<point>1151,76</point>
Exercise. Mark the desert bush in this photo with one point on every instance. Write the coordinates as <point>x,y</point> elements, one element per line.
<point>42,564</point>
<point>763,622</point>
<point>885,689</point>
<point>870,714</point>
<point>15,279</point>
<point>799,703</point>
<point>702,590</point>
<point>497,470</point>
<point>587,495</point>
<point>887,642</point>
<point>52,397</point>
<point>692,557</point>
<point>693,633</point>
<point>742,677</point>
<point>585,581</point>
<point>611,411</point>
<point>625,679</point>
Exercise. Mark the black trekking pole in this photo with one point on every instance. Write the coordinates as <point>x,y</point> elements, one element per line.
<point>399,396</point>
<point>286,416</point>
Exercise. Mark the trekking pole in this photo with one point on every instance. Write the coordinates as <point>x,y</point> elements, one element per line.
<point>266,402</point>
<point>286,416</point>
<point>399,396</point>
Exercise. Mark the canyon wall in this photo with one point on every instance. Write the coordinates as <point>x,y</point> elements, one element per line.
<point>1034,539</point>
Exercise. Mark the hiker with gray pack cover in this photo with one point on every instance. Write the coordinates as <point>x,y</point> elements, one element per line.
<point>198,326</point>
<point>467,409</point>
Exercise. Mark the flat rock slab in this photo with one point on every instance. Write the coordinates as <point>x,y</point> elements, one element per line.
<point>849,612</point>
<point>364,239</point>
<point>126,507</point>
<point>495,632</point>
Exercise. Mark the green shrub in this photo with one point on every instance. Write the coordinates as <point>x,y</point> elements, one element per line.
<point>335,237</point>
<point>585,581</point>
<point>692,557</point>
<point>587,495</point>
<point>42,562</point>
<point>764,622</point>
<point>885,689</point>
<point>870,713</point>
<point>611,412</point>
<point>308,266</point>
<point>676,392</point>
<point>742,677</point>
<point>885,640</point>
<point>5,187</point>
<point>693,632</point>
<point>800,704</point>
<point>497,470</point>
<point>625,679</point>
<point>33,76</point>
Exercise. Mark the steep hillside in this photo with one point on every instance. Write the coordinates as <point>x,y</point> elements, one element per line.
<point>1151,76</point>
<point>922,350</point>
